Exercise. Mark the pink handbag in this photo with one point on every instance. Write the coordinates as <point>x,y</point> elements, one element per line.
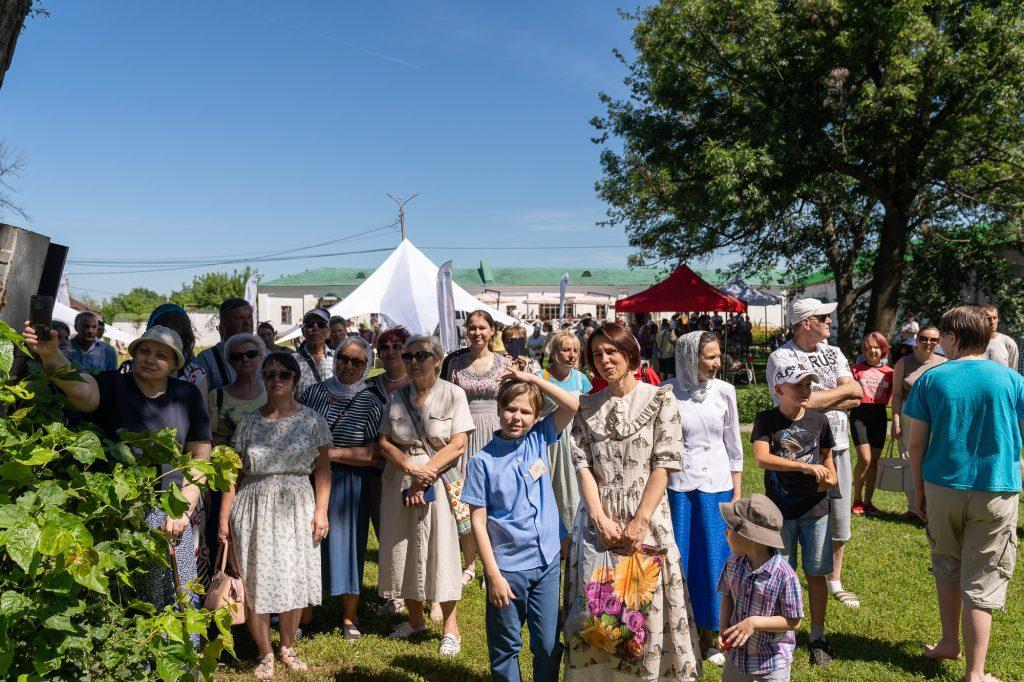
<point>226,589</point>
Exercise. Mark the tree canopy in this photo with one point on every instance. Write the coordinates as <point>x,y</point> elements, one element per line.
<point>139,301</point>
<point>210,289</point>
<point>741,113</point>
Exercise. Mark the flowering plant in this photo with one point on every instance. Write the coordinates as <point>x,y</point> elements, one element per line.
<point>617,600</point>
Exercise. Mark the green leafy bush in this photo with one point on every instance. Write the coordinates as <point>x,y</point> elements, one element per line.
<point>74,542</point>
<point>752,400</point>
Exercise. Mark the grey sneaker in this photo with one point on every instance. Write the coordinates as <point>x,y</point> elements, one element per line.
<point>821,653</point>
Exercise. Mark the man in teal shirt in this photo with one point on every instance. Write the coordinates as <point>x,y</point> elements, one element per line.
<point>965,455</point>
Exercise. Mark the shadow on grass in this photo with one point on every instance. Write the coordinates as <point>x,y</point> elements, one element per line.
<point>850,647</point>
<point>426,666</point>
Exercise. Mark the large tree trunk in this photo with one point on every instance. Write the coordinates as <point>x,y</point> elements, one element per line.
<point>887,275</point>
<point>12,19</point>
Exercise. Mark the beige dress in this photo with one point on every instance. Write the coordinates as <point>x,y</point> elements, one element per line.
<point>419,547</point>
<point>622,440</point>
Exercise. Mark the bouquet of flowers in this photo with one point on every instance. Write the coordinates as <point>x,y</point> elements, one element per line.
<point>617,600</point>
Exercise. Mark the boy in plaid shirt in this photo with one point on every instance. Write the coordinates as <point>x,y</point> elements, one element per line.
<point>761,599</point>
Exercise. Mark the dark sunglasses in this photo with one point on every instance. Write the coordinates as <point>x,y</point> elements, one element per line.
<point>235,357</point>
<point>418,356</point>
<point>925,339</point>
<point>315,322</point>
<point>821,318</point>
<point>282,374</point>
<point>390,346</point>
<point>346,360</point>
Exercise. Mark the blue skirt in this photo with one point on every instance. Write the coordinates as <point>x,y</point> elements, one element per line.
<point>343,552</point>
<point>700,535</point>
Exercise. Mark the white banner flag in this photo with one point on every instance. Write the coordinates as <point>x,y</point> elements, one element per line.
<point>250,294</point>
<point>561,297</point>
<point>64,293</point>
<point>446,308</point>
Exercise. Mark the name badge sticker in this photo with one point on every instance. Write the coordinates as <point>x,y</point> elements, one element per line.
<point>538,469</point>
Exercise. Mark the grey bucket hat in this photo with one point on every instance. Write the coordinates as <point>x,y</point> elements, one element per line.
<point>755,518</point>
<point>163,335</point>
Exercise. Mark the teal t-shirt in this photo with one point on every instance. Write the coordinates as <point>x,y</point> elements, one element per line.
<point>974,408</point>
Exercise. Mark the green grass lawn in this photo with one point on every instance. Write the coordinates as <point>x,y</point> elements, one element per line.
<point>887,565</point>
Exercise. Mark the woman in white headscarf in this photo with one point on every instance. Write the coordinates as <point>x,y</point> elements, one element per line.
<point>712,466</point>
<point>353,408</point>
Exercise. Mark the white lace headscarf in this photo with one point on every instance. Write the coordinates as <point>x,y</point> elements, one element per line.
<point>342,391</point>
<point>687,370</point>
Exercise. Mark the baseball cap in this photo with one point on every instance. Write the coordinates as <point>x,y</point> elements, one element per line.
<point>793,373</point>
<point>809,307</point>
<point>756,518</point>
<point>162,335</point>
<point>318,312</point>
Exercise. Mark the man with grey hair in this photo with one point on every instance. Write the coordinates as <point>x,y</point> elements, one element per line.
<point>834,393</point>
<point>87,350</point>
<point>1001,348</point>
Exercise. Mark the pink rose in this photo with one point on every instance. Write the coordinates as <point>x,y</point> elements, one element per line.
<point>606,591</point>
<point>641,635</point>
<point>612,605</point>
<point>634,620</point>
<point>594,607</point>
<point>592,591</point>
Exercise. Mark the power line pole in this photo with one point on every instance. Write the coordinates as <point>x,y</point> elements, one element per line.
<point>401,209</point>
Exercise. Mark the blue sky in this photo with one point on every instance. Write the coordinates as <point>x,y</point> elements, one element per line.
<point>183,130</point>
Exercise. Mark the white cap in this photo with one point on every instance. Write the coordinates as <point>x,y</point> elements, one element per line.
<point>793,373</point>
<point>809,307</point>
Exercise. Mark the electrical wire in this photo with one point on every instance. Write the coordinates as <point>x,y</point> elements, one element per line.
<point>238,261</point>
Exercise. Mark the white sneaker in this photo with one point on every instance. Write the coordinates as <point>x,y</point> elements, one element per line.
<point>391,606</point>
<point>713,655</point>
<point>405,631</point>
<point>450,645</point>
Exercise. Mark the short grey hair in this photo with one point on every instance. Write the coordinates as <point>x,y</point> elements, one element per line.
<point>435,346</point>
<point>357,340</point>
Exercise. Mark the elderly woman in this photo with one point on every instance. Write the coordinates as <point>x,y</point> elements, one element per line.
<point>424,431</point>
<point>626,441</point>
<point>272,517</point>
<point>352,408</point>
<point>227,406</point>
<point>145,400</point>
<point>712,459</point>
<point>564,352</point>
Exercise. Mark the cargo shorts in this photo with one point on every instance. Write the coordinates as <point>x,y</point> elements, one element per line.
<point>973,538</point>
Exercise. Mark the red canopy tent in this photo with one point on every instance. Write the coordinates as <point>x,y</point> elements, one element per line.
<point>682,291</point>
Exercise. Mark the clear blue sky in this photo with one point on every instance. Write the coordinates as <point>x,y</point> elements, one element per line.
<point>183,130</point>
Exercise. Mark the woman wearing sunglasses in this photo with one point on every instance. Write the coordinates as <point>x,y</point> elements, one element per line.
<point>272,517</point>
<point>352,408</point>
<point>909,369</point>
<point>424,431</point>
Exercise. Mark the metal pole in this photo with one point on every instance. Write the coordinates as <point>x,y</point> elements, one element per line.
<point>401,210</point>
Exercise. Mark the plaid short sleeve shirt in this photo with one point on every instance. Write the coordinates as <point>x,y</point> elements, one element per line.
<point>769,590</point>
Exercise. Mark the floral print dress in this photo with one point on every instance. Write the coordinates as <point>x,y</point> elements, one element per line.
<point>482,393</point>
<point>622,440</point>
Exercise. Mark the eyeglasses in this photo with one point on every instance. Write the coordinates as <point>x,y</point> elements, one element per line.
<point>926,339</point>
<point>346,360</point>
<point>315,322</point>
<point>273,375</point>
<point>390,346</point>
<point>235,357</point>
<point>418,356</point>
<point>822,318</point>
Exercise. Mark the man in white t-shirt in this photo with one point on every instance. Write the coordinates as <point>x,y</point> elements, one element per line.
<point>834,394</point>
<point>1001,348</point>
<point>909,330</point>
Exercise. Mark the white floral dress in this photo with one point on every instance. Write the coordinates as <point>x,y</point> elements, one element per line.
<point>271,518</point>
<point>622,440</point>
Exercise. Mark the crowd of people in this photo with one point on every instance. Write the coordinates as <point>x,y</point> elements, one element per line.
<point>612,453</point>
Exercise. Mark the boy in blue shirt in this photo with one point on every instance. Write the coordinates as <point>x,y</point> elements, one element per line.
<point>515,523</point>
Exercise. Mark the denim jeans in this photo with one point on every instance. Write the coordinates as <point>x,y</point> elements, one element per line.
<point>536,602</point>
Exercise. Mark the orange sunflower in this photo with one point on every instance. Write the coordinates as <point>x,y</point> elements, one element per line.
<point>601,636</point>
<point>636,578</point>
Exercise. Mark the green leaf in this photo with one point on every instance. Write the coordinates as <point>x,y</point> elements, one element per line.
<point>87,448</point>
<point>174,502</point>
<point>6,357</point>
<point>16,472</point>
<point>51,493</point>
<point>13,603</point>
<point>37,456</point>
<point>61,532</point>
<point>60,621</point>
<point>12,515</point>
<point>120,452</point>
<point>21,544</point>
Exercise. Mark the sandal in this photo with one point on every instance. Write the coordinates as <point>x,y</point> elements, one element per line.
<point>847,599</point>
<point>291,660</point>
<point>264,670</point>
<point>350,631</point>
<point>469,575</point>
<point>858,508</point>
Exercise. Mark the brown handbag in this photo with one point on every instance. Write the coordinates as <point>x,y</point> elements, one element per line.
<point>225,589</point>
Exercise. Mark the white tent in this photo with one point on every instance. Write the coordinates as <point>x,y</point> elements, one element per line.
<point>66,314</point>
<point>404,288</point>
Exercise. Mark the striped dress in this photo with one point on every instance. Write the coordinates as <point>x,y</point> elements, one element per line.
<point>352,423</point>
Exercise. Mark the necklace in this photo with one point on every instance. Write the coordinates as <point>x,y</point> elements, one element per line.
<point>390,380</point>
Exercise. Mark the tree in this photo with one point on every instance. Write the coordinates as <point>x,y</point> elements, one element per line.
<point>210,289</point>
<point>12,162</point>
<point>12,21</point>
<point>740,111</point>
<point>966,264</point>
<point>138,301</point>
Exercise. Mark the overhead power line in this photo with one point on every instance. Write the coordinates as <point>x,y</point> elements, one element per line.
<point>239,261</point>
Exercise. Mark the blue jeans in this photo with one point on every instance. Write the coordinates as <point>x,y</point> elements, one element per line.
<point>814,537</point>
<point>536,602</point>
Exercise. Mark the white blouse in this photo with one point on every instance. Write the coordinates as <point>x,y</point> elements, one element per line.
<point>712,449</point>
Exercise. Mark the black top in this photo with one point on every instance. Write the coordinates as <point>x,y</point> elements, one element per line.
<point>352,422</point>
<point>446,364</point>
<point>795,494</point>
<point>124,406</point>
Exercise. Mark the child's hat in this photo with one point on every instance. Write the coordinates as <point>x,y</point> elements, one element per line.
<point>794,373</point>
<point>756,518</point>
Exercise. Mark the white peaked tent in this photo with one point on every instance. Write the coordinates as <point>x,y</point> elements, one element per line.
<point>404,288</point>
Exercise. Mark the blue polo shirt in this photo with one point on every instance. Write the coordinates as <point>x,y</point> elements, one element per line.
<point>522,516</point>
<point>973,408</point>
